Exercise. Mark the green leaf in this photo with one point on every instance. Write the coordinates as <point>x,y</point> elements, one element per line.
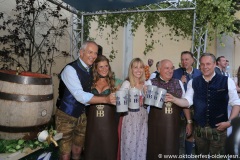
<point>20,141</point>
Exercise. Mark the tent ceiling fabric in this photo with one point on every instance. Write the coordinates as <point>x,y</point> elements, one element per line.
<point>99,5</point>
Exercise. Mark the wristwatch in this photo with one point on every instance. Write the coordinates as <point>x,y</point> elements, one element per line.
<point>189,121</point>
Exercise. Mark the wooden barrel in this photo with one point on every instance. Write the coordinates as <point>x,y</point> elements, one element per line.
<point>26,104</point>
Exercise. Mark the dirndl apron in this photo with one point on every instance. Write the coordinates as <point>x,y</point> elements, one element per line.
<point>101,133</point>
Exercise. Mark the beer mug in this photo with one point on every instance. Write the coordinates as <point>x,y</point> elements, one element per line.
<point>134,95</point>
<point>149,98</point>
<point>122,101</point>
<point>124,89</point>
<point>159,97</point>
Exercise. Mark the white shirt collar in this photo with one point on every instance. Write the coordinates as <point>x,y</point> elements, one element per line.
<point>84,64</point>
<point>191,71</point>
<point>211,77</point>
<point>163,79</point>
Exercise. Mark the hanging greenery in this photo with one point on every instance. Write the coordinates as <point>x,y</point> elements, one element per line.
<point>216,16</point>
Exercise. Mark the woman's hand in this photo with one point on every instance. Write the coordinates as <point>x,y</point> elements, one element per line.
<point>141,99</point>
<point>144,90</point>
<point>112,98</point>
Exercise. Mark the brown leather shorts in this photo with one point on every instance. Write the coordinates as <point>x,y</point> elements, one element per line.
<point>73,130</point>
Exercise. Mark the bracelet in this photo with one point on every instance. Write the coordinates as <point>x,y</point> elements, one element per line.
<point>189,121</point>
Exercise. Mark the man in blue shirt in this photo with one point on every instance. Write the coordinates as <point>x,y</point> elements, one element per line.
<point>185,73</point>
<point>74,95</point>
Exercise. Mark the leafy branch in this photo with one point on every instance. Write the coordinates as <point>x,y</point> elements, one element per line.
<point>12,146</point>
<point>31,36</point>
<point>216,16</point>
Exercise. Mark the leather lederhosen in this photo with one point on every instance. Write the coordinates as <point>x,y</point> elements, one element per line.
<point>101,135</point>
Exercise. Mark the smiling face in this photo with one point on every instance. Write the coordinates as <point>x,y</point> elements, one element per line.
<point>207,66</point>
<point>89,53</point>
<point>166,70</point>
<point>103,68</point>
<point>137,70</point>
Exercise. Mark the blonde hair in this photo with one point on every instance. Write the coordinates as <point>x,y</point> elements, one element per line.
<point>130,74</point>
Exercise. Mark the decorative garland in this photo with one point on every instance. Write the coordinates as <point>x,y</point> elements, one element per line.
<point>216,16</point>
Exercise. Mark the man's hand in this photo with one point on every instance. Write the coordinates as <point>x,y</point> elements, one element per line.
<point>189,129</point>
<point>169,98</point>
<point>184,79</point>
<point>223,125</point>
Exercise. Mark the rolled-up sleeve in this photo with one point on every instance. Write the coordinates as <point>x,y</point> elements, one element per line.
<point>232,93</point>
<point>189,93</point>
<point>72,82</point>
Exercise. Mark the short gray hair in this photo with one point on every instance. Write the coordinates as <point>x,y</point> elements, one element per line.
<point>84,45</point>
<point>208,54</point>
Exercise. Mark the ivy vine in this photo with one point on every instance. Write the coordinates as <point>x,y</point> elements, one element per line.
<point>216,16</point>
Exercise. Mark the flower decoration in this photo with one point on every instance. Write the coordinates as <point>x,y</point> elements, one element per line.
<point>147,72</point>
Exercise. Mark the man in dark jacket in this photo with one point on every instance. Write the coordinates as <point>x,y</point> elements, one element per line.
<point>221,65</point>
<point>185,73</point>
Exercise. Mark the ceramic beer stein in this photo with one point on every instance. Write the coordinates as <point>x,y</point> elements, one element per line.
<point>134,95</point>
<point>149,98</point>
<point>159,97</point>
<point>122,101</point>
